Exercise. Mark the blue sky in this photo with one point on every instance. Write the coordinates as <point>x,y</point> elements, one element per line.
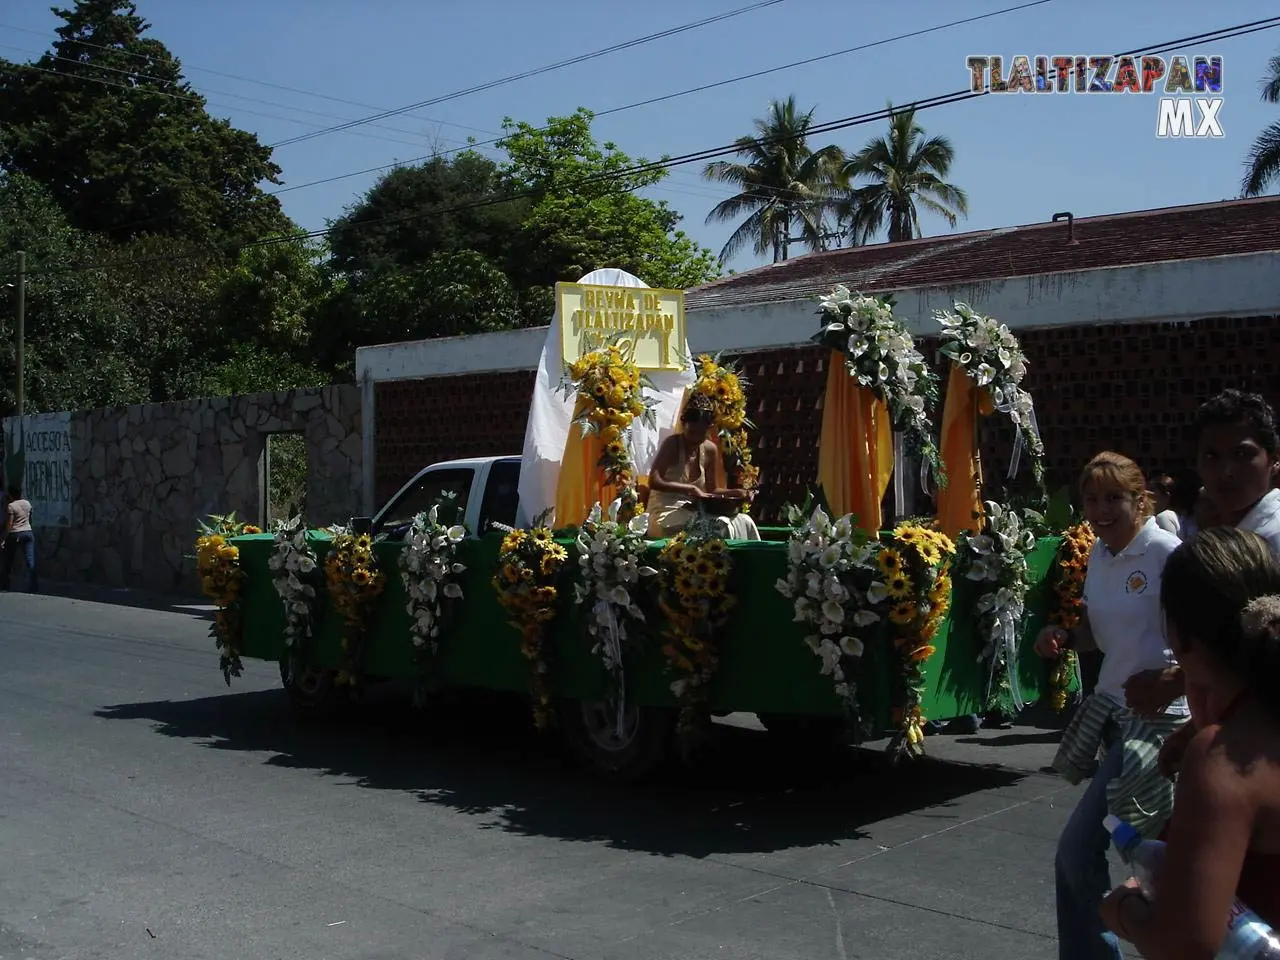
<point>1020,158</point>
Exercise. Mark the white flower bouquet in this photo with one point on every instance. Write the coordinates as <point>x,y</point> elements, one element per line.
<point>429,572</point>
<point>837,587</point>
<point>881,354</point>
<point>990,355</point>
<point>996,559</point>
<point>296,575</point>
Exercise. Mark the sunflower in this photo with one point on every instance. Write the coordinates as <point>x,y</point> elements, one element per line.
<point>902,613</point>
<point>929,553</point>
<point>908,535</point>
<point>541,536</point>
<point>511,542</point>
<point>890,561</point>
<point>361,577</point>
<point>900,586</point>
<point>250,529</point>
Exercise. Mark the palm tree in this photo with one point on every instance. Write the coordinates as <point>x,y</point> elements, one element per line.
<point>907,172</point>
<point>1263,164</point>
<point>782,184</point>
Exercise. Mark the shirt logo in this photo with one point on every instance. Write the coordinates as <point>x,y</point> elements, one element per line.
<point>1137,582</point>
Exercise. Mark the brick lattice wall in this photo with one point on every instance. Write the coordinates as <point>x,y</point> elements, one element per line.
<point>1131,388</point>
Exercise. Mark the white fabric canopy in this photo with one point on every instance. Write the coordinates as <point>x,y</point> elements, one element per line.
<point>551,413</point>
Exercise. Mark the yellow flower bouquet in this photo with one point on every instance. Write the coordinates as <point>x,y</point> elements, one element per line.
<point>222,579</point>
<point>725,387</point>
<point>1068,588</point>
<point>695,601</point>
<point>529,565</point>
<point>916,566</point>
<point>354,583</point>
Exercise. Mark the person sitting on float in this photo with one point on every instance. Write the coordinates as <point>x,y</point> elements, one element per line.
<point>688,470</point>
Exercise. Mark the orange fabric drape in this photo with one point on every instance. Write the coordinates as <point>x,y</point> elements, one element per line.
<point>581,482</point>
<point>960,502</point>
<point>855,454</point>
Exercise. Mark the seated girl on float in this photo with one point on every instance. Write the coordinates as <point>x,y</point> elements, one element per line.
<point>687,469</point>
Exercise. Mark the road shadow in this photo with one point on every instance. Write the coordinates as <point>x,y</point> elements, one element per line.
<point>748,794</point>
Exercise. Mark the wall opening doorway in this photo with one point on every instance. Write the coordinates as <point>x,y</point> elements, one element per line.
<point>284,477</point>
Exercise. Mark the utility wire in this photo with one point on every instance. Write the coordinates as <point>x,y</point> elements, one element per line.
<point>537,71</point>
<point>640,169</point>
<point>242,79</point>
<point>683,93</point>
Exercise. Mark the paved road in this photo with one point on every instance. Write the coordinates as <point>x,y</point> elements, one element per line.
<point>148,811</point>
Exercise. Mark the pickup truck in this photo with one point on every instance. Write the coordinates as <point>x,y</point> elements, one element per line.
<point>483,490</point>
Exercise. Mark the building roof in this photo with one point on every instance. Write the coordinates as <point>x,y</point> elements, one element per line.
<point>1117,240</point>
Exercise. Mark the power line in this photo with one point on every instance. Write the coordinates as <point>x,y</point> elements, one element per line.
<point>682,93</point>
<point>959,96</point>
<point>203,93</point>
<point>538,71</point>
<point>242,79</point>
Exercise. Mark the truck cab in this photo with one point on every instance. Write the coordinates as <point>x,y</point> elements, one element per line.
<point>484,491</point>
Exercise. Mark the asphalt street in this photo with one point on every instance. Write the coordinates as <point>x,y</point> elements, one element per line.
<point>146,810</point>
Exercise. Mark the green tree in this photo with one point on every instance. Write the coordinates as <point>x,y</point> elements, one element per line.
<point>441,206</point>
<point>782,185</point>
<point>78,350</point>
<point>585,214</point>
<point>905,171</point>
<point>107,123</point>
<point>268,298</point>
<point>1263,163</point>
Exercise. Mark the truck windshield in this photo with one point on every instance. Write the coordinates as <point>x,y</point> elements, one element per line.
<point>430,488</point>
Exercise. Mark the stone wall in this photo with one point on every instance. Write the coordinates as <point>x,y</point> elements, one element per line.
<point>1126,387</point>
<point>143,476</point>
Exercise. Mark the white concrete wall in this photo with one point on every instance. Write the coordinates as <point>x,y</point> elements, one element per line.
<point>1247,285</point>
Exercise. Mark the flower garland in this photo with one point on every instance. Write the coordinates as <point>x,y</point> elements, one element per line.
<point>354,583</point>
<point>916,566</point>
<point>725,387</point>
<point>1073,565</point>
<point>839,590</point>
<point>997,559</point>
<point>295,571</point>
<point>881,354</point>
<point>694,569</point>
<point>221,577</point>
<point>992,358</point>
<point>428,571</point>
<point>613,391</point>
<point>610,558</point>
<point>529,565</point>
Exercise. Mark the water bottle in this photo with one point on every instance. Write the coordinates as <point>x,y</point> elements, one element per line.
<point>1248,936</point>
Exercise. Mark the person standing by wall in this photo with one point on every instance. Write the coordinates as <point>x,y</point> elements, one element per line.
<point>19,538</point>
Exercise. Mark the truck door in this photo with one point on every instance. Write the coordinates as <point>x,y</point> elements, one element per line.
<point>431,487</point>
<point>501,495</point>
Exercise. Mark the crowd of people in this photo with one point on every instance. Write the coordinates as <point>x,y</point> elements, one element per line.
<point>1182,602</point>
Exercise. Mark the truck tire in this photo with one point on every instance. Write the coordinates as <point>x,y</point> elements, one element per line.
<point>312,693</point>
<point>805,733</point>
<point>590,731</point>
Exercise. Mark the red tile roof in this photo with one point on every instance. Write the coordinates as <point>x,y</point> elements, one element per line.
<point>1116,240</point>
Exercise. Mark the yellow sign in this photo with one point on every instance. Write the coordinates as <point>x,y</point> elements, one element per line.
<point>648,324</point>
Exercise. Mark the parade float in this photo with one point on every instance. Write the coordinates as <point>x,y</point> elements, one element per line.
<point>534,574</point>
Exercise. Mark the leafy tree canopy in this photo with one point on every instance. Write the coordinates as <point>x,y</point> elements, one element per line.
<point>107,123</point>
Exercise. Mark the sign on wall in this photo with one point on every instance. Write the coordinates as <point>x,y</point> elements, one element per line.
<point>41,443</point>
<point>647,323</point>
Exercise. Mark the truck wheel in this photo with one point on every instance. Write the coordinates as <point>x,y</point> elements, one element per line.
<point>806,733</point>
<point>311,692</point>
<point>628,754</point>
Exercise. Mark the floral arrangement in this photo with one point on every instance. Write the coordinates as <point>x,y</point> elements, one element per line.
<point>218,564</point>
<point>429,573</point>
<point>1073,565</point>
<point>295,572</point>
<point>992,358</point>
<point>612,387</point>
<point>996,560</point>
<point>354,583</point>
<point>881,354</point>
<point>530,562</point>
<point>694,569</point>
<point>610,558</point>
<point>916,566</point>
<point>725,387</point>
<point>840,591</point>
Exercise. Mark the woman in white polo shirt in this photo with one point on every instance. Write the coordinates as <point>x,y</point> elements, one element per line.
<point>1123,620</point>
